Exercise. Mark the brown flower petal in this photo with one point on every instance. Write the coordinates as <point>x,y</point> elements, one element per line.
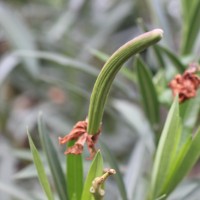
<point>91,141</point>
<point>79,133</point>
<point>186,85</point>
<point>77,148</point>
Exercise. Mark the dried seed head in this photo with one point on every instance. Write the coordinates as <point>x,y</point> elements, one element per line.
<point>79,133</point>
<point>186,85</point>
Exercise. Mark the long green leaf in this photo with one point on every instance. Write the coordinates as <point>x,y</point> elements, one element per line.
<point>189,111</point>
<point>159,16</point>
<point>19,35</point>
<point>173,58</point>
<point>185,9</point>
<point>148,93</point>
<point>191,27</point>
<point>96,170</point>
<point>188,162</point>
<point>40,170</point>
<point>58,58</point>
<point>166,149</point>
<point>159,56</point>
<point>175,164</point>
<point>113,164</point>
<point>134,174</point>
<point>74,175</point>
<point>54,163</point>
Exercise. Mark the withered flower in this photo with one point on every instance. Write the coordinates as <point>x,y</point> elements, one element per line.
<point>186,85</point>
<point>79,133</point>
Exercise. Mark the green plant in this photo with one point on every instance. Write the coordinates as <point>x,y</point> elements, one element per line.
<point>176,153</point>
<point>87,131</point>
<point>33,77</point>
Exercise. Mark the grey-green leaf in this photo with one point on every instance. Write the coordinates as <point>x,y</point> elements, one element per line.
<point>191,26</point>
<point>40,170</point>
<point>188,162</point>
<point>96,170</point>
<point>54,162</point>
<point>173,58</point>
<point>167,147</point>
<point>19,35</point>
<point>113,164</point>
<point>148,93</point>
<point>74,175</point>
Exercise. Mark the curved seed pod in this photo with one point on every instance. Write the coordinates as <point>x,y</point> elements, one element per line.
<point>112,66</point>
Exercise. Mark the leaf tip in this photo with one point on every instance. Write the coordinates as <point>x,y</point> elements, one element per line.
<point>159,32</point>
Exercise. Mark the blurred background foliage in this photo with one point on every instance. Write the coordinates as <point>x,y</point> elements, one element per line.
<point>50,54</point>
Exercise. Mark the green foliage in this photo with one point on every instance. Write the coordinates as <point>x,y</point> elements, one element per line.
<point>53,160</point>
<point>166,151</point>
<point>96,170</point>
<point>175,156</point>
<point>46,63</point>
<point>191,28</point>
<point>40,169</point>
<point>148,94</point>
<point>113,164</point>
<point>74,175</point>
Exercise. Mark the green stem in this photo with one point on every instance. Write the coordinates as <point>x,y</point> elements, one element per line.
<point>97,183</point>
<point>112,66</point>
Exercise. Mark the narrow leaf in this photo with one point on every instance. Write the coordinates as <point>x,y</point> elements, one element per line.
<point>166,149</point>
<point>135,169</point>
<point>40,170</point>
<point>54,162</point>
<point>185,9</point>
<point>188,162</point>
<point>189,111</point>
<point>19,35</point>
<point>173,58</point>
<point>159,56</point>
<point>58,58</point>
<point>113,164</point>
<point>148,93</point>
<point>96,170</point>
<point>175,165</point>
<point>74,175</point>
<point>191,27</point>
<point>7,64</point>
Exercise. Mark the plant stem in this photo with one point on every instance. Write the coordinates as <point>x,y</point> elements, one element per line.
<point>112,66</point>
<point>96,189</point>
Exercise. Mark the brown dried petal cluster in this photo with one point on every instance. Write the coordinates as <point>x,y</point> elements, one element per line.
<point>79,133</point>
<point>186,85</point>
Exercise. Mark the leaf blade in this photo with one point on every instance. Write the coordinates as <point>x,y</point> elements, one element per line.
<point>166,149</point>
<point>148,93</point>
<point>74,175</point>
<point>173,58</point>
<point>189,160</point>
<point>191,28</point>
<point>118,176</point>
<point>40,170</point>
<point>54,163</point>
<point>96,170</point>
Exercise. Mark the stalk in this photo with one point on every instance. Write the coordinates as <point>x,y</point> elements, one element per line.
<point>107,75</point>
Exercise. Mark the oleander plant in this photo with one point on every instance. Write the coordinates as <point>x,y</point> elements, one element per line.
<point>79,122</point>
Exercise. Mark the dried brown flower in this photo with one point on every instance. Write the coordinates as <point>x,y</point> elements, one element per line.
<point>186,85</point>
<point>79,133</point>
